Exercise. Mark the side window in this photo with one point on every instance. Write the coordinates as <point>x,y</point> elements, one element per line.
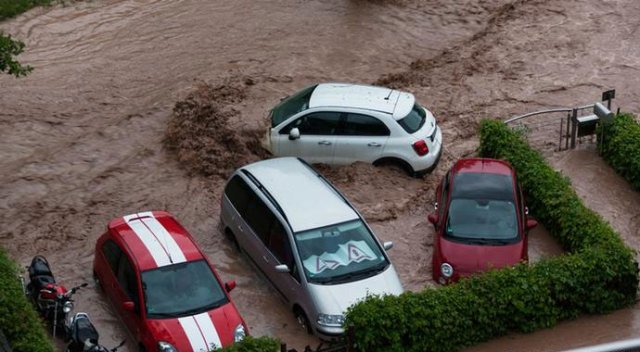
<point>317,123</point>
<point>259,218</point>
<point>127,279</point>
<point>363,125</point>
<point>279,244</point>
<point>113,253</point>
<point>239,193</point>
<point>445,195</point>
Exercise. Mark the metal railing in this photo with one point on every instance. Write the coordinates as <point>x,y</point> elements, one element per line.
<point>618,346</point>
<point>576,124</point>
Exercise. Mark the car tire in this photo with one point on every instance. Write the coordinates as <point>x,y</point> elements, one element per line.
<point>97,282</point>
<point>396,163</point>
<point>302,319</point>
<point>232,237</point>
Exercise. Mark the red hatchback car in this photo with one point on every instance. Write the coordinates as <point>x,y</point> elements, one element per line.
<point>163,287</point>
<point>481,220</point>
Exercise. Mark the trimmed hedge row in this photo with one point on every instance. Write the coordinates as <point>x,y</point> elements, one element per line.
<point>252,344</point>
<point>597,276</point>
<point>19,321</point>
<point>621,147</point>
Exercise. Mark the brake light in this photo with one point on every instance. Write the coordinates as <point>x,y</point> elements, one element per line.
<point>421,147</point>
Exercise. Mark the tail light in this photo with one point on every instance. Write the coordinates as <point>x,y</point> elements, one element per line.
<point>420,147</point>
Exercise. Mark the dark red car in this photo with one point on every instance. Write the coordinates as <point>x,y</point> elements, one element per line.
<point>481,219</point>
<point>163,287</point>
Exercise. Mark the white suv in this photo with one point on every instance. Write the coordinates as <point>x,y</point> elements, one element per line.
<point>336,123</point>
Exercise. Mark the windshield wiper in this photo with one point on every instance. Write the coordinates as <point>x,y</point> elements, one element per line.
<point>164,315</point>
<point>356,274</point>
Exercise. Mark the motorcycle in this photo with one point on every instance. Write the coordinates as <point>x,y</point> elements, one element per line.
<point>53,301</point>
<point>83,336</point>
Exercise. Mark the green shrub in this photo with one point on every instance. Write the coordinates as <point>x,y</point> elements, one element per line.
<point>253,344</point>
<point>621,147</point>
<point>9,48</point>
<point>19,321</point>
<point>10,8</point>
<point>598,275</point>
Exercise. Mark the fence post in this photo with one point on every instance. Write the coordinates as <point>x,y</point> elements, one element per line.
<point>574,127</point>
<point>351,337</point>
<point>283,347</point>
<point>560,139</point>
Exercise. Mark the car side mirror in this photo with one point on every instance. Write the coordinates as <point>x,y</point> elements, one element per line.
<point>129,306</point>
<point>387,245</point>
<point>294,134</point>
<point>282,268</point>
<point>230,285</point>
<point>433,218</point>
<point>531,223</point>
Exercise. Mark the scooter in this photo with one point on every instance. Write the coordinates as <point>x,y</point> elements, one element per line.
<point>53,301</point>
<point>83,336</point>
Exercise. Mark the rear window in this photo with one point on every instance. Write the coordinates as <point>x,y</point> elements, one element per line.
<point>414,120</point>
<point>291,106</point>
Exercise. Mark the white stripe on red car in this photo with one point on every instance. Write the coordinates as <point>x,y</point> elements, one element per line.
<point>201,332</point>
<point>158,241</point>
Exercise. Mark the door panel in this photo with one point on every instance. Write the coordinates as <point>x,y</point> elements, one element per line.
<point>317,137</point>
<point>360,138</point>
<point>280,252</point>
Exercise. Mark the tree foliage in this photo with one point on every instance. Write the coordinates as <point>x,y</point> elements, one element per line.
<point>9,49</point>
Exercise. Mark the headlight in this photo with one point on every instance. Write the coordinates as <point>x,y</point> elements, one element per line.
<point>446,269</point>
<point>334,320</point>
<point>239,334</point>
<point>164,346</point>
<point>67,306</point>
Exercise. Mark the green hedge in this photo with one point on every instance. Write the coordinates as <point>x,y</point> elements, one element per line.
<point>251,344</point>
<point>10,8</point>
<point>19,321</point>
<point>598,275</point>
<point>621,147</point>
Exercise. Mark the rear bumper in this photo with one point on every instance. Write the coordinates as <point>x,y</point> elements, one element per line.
<point>433,165</point>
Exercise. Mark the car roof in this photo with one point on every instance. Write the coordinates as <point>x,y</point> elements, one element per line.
<point>155,239</point>
<point>394,102</point>
<point>304,197</point>
<point>483,165</point>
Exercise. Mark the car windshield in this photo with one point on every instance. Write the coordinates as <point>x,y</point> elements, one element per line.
<point>414,120</point>
<point>340,253</point>
<point>482,209</point>
<point>181,289</point>
<point>291,106</point>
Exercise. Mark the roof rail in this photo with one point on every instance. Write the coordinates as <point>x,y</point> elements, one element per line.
<point>265,192</point>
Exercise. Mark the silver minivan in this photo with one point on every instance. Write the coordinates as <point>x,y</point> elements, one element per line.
<point>308,241</point>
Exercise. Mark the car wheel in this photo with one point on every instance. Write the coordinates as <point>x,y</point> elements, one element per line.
<point>232,237</point>
<point>396,164</point>
<point>96,281</point>
<point>302,319</point>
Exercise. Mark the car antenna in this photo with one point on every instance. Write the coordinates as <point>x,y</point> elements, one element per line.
<point>387,97</point>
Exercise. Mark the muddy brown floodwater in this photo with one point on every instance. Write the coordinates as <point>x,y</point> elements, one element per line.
<point>81,138</point>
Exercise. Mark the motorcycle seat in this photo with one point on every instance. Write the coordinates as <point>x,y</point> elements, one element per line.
<point>39,267</point>
<point>85,331</point>
<point>39,282</point>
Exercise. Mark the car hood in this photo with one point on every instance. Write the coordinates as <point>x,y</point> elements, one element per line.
<point>335,299</point>
<point>470,258</point>
<point>198,332</point>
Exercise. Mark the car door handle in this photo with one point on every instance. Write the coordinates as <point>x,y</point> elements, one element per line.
<point>324,143</point>
<point>265,258</point>
<point>374,144</point>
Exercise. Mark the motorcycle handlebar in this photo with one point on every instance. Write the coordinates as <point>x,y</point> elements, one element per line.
<point>73,290</point>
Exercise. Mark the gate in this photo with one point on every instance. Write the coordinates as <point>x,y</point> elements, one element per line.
<point>568,124</point>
